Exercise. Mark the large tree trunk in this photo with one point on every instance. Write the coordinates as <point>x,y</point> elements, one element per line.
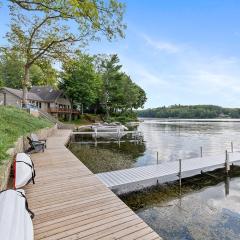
<point>70,115</point>
<point>25,85</point>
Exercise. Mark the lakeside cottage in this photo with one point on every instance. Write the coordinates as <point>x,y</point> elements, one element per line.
<point>45,98</point>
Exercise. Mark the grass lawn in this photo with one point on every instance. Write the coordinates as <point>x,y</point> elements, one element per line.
<point>14,123</point>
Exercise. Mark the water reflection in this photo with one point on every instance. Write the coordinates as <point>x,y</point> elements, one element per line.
<point>207,209</point>
<point>174,140</point>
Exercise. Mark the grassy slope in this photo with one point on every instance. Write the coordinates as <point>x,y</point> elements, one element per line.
<point>15,123</point>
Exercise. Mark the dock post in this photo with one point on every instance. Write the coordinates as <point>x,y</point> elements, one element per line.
<point>72,138</point>
<point>227,167</point>
<point>157,157</point>
<point>180,173</point>
<point>118,136</point>
<point>232,146</point>
<point>201,151</point>
<point>95,137</point>
<point>227,184</point>
<point>140,137</point>
<point>135,137</point>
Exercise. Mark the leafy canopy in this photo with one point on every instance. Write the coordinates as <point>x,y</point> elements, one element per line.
<point>97,15</point>
<point>98,83</point>
<point>12,71</point>
<point>119,91</point>
<point>50,30</point>
<point>80,81</point>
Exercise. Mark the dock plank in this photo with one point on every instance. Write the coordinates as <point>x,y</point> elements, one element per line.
<point>164,171</point>
<point>70,202</point>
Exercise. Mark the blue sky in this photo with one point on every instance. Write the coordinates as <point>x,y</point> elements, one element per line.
<point>180,52</point>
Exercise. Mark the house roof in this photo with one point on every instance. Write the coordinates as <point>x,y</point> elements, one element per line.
<point>19,93</point>
<point>46,93</point>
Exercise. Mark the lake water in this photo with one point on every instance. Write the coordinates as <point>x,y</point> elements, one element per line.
<point>183,139</point>
<point>207,213</point>
<point>208,208</point>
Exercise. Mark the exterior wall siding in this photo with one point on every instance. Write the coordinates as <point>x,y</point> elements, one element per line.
<point>63,101</point>
<point>53,105</point>
<point>44,106</point>
<point>10,99</point>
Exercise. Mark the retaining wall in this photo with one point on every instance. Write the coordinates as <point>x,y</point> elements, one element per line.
<point>21,145</point>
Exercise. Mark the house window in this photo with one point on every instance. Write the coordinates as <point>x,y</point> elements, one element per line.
<point>40,105</point>
<point>48,104</point>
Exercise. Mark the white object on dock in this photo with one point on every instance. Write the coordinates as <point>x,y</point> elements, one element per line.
<point>166,171</point>
<point>15,221</point>
<point>23,170</point>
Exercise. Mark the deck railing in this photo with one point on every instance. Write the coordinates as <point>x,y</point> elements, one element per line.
<point>62,110</point>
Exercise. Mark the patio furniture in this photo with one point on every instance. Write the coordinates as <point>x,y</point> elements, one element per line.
<point>35,146</point>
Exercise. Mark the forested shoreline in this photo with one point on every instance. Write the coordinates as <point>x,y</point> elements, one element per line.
<point>43,49</point>
<point>190,111</point>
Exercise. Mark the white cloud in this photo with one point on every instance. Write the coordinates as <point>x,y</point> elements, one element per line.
<point>161,45</point>
<point>185,75</point>
<point>141,73</point>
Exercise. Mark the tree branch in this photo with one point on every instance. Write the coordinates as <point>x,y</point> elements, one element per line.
<point>35,29</point>
<point>55,42</point>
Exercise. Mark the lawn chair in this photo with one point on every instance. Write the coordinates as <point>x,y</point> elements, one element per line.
<point>35,138</point>
<point>36,146</point>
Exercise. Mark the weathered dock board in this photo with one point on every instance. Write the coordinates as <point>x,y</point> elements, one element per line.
<point>70,202</point>
<point>166,171</point>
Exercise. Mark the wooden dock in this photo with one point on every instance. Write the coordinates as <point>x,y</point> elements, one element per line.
<point>70,202</point>
<point>168,171</point>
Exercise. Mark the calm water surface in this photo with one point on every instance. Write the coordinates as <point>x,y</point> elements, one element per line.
<point>182,139</point>
<point>211,212</point>
<point>208,213</point>
<point>205,214</point>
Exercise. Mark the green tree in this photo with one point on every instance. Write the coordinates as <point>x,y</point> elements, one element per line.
<point>120,93</point>
<point>80,81</point>
<point>141,99</point>
<point>42,73</point>
<point>11,71</point>
<point>44,32</point>
<point>109,69</point>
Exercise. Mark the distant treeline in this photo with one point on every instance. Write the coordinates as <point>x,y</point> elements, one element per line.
<point>194,111</point>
